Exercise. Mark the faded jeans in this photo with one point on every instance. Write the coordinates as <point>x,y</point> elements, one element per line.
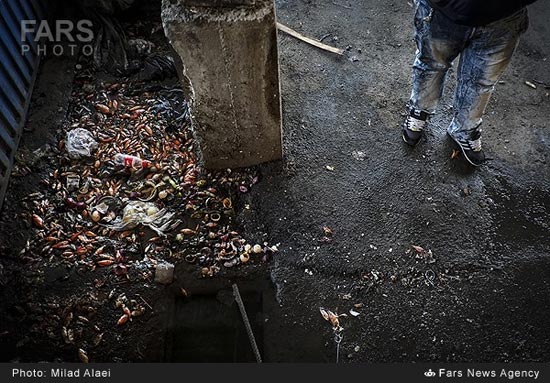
<point>485,52</point>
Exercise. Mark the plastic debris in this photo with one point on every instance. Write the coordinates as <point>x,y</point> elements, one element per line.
<point>530,84</point>
<point>131,161</point>
<point>80,143</point>
<point>83,215</point>
<point>140,47</point>
<point>143,213</point>
<point>164,273</point>
<point>73,181</point>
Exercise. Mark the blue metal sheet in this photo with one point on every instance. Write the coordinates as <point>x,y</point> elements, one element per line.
<point>13,18</point>
<point>20,12</point>
<point>6,142</point>
<point>17,73</point>
<point>5,127</point>
<point>14,76</point>
<point>18,16</point>
<point>8,119</point>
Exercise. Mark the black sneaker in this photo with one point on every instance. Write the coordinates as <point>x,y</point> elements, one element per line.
<point>413,126</point>
<point>471,147</point>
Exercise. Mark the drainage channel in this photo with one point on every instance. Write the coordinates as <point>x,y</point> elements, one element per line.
<point>207,326</point>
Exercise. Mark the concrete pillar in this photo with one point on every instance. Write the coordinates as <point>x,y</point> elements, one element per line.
<point>229,53</point>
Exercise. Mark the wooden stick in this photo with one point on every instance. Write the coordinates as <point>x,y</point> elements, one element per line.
<point>313,42</point>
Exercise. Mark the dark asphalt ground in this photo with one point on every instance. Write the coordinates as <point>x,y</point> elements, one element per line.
<point>487,295</point>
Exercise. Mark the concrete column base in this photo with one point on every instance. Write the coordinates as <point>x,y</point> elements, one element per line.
<point>229,53</point>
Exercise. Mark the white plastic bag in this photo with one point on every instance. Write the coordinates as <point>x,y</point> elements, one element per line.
<point>80,143</point>
<point>146,214</point>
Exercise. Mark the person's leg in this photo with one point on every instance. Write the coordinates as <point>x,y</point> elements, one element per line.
<point>481,65</point>
<point>438,41</point>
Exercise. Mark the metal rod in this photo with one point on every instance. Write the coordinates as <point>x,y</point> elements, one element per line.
<point>338,339</point>
<point>240,303</point>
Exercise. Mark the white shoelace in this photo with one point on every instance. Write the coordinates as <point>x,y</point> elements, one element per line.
<point>415,124</point>
<point>476,144</point>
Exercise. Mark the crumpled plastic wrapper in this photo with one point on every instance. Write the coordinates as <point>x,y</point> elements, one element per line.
<point>80,143</point>
<point>146,214</point>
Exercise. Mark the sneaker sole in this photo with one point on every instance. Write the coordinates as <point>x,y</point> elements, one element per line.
<point>463,151</point>
<point>407,142</point>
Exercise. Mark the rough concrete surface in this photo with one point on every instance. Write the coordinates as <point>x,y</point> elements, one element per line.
<point>487,295</point>
<point>230,57</point>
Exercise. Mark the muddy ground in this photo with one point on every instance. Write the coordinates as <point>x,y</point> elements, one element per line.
<point>483,292</point>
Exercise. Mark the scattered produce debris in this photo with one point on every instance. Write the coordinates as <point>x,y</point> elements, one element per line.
<point>120,201</point>
<point>421,254</point>
<point>327,230</point>
<point>83,356</point>
<point>327,237</point>
<point>359,155</point>
<point>332,318</point>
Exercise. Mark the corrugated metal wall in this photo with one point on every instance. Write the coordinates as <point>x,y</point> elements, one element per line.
<point>17,74</point>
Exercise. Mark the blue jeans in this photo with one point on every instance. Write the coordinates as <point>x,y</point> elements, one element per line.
<point>485,52</point>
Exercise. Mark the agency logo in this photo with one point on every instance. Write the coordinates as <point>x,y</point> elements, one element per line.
<point>61,37</point>
<point>429,373</point>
